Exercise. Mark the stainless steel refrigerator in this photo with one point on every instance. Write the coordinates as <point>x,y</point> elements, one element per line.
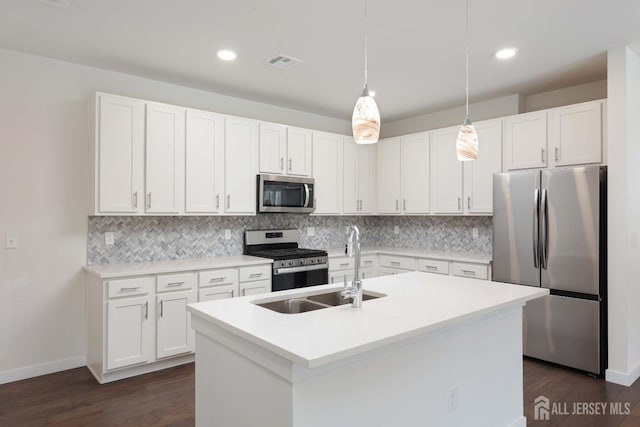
<point>549,230</point>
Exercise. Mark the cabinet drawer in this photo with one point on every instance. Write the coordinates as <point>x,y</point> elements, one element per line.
<point>261,272</point>
<point>387,271</point>
<point>369,261</point>
<point>342,263</point>
<point>218,292</point>
<point>477,271</point>
<point>176,282</point>
<point>217,277</point>
<point>130,287</point>
<point>256,287</point>
<point>404,263</point>
<point>433,266</point>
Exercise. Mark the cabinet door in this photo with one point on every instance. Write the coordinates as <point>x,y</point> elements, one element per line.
<point>165,159</point>
<point>120,154</point>
<point>350,199</point>
<point>415,173</point>
<point>129,331</point>
<point>525,141</point>
<point>389,176</point>
<point>367,178</point>
<point>175,335</point>
<point>446,173</point>
<point>273,148</point>
<point>241,151</point>
<point>204,162</point>
<point>327,172</point>
<point>576,134</point>
<point>254,288</point>
<point>478,174</point>
<point>299,152</point>
<point>218,292</point>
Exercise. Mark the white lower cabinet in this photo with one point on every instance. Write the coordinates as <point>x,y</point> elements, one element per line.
<point>476,271</point>
<point>433,265</point>
<point>174,333</point>
<point>130,325</point>
<point>218,284</point>
<point>255,280</point>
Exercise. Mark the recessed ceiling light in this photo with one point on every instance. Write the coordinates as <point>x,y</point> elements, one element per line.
<point>506,53</point>
<point>59,3</point>
<point>226,55</point>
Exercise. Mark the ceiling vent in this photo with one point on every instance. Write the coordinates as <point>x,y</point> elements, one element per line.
<point>283,62</point>
<point>59,3</point>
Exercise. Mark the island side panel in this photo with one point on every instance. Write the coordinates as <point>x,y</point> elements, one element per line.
<point>232,390</point>
<point>408,384</point>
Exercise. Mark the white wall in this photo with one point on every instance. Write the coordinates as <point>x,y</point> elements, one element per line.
<point>499,107</point>
<point>624,215</point>
<point>566,96</point>
<point>43,189</point>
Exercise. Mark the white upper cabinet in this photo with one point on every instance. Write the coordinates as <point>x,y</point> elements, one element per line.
<point>525,141</point>
<point>327,172</point>
<point>389,176</point>
<point>204,186</point>
<point>164,159</point>
<point>273,148</point>
<point>446,173</point>
<point>299,151</point>
<point>118,155</point>
<point>359,176</point>
<point>285,150</point>
<point>415,167</point>
<point>478,174</point>
<point>241,158</point>
<point>575,134</point>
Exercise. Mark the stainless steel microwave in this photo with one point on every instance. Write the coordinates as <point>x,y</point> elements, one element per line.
<point>285,194</point>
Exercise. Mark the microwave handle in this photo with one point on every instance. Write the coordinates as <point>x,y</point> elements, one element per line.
<point>306,195</point>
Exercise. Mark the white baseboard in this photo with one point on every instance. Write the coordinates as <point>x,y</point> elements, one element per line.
<point>623,378</point>
<point>42,369</point>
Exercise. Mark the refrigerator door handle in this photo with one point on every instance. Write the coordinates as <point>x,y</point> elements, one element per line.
<point>536,233</point>
<point>544,247</point>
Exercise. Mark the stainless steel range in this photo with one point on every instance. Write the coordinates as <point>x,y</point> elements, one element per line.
<point>293,267</point>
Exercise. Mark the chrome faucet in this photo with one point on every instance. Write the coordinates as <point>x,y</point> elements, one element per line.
<point>353,250</point>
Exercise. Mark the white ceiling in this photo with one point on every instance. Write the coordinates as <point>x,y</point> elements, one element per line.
<point>416,47</point>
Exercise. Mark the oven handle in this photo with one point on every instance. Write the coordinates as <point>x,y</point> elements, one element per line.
<point>306,195</point>
<point>287,270</point>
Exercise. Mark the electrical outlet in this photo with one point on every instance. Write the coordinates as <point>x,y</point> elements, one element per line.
<point>11,240</point>
<point>311,231</point>
<point>474,232</point>
<point>109,238</point>
<point>453,399</point>
<point>227,234</point>
<point>396,229</point>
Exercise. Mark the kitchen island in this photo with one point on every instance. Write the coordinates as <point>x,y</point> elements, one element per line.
<point>433,351</point>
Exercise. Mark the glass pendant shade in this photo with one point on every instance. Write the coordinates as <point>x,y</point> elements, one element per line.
<point>467,142</point>
<point>366,120</point>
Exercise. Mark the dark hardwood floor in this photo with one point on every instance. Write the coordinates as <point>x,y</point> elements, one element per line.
<point>166,398</point>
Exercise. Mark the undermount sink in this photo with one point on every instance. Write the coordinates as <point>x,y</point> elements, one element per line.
<point>304,304</point>
<point>335,298</point>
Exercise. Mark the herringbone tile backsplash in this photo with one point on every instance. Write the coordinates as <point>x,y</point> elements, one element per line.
<point>140,239</point>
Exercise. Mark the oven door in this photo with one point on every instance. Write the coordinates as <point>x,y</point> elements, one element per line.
<point>299,277</point>
<point>285,194</point>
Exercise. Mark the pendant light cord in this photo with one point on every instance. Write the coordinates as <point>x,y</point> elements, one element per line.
<point>366,42</point>
<point>467,56</point>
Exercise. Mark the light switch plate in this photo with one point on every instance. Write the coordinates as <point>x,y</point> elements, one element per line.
<point>109,238</point>
<point>474,232</point>
<point>11,240</point>
<point>396,229</point>
<point>311,231</point>
<point>227,234</point>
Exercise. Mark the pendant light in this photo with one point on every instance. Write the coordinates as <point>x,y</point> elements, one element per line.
<point>467,142</point>
<point>366,117</point>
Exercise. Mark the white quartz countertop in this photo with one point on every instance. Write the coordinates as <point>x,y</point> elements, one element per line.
<point>109,271</point>
<point>416,304</point>
<point>417,253</point>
